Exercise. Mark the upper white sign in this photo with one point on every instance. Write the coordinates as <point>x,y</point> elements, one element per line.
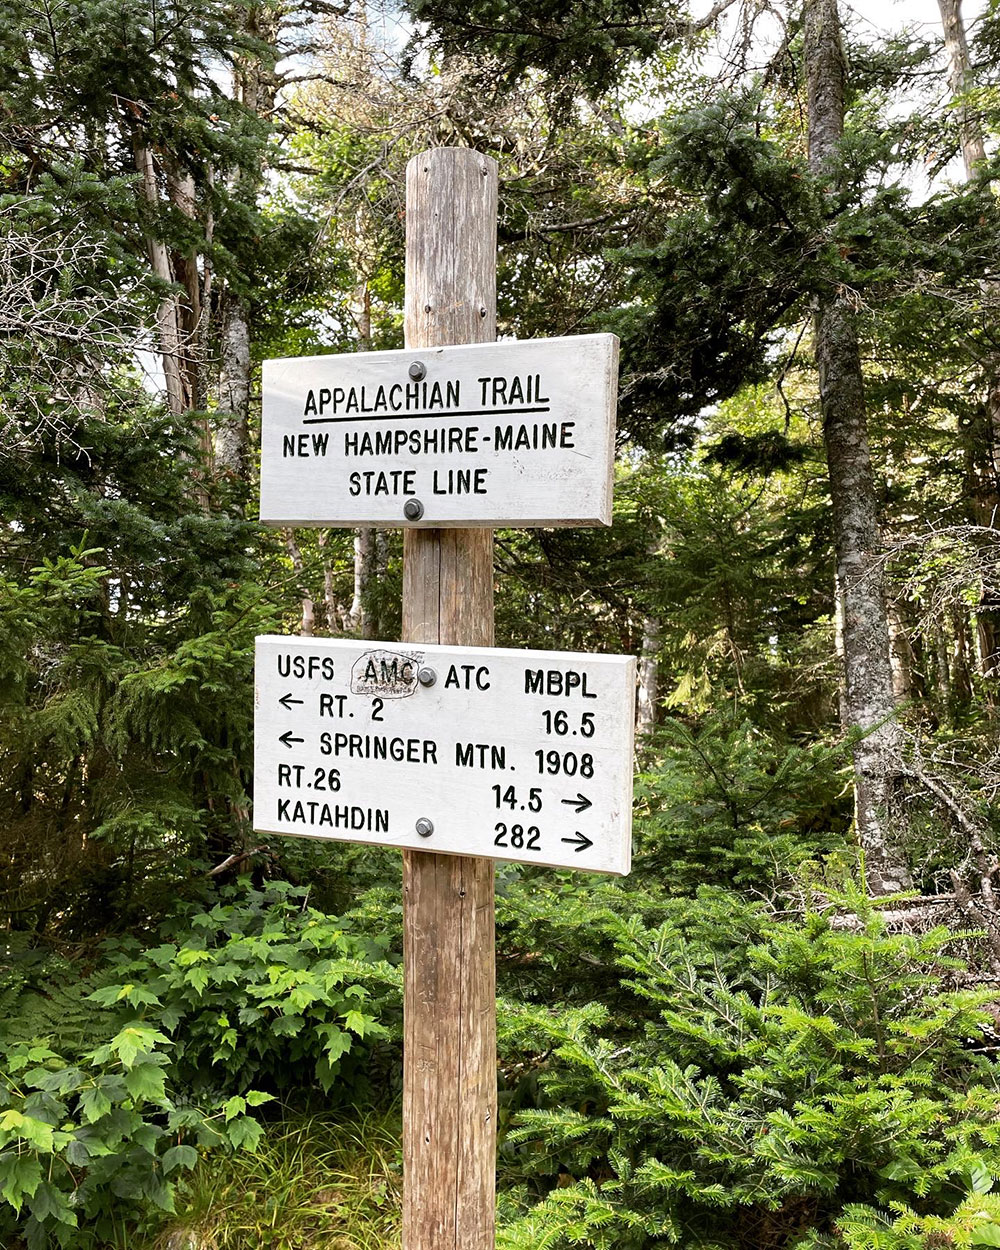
<point>519,755</point>
<point>510,433</point>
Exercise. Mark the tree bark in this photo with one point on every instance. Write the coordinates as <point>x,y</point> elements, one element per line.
<point>233,408</point>
<point>308,626</point>
<point>900,654</point>
<point>649,681</point>
<point>870,705</point>
<point>984,466</point>
<point>167,311</point>
<point>956,47</point>
<point>255,87</point>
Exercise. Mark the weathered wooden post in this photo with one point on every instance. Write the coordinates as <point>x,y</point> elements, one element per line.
<point>449,1046</point>
<point>457,752</point>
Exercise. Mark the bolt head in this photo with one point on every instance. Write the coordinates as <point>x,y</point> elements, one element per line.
<point>426,676</point>
<point>425,827</point>
<point>413,509</point>
<point>417,370</point>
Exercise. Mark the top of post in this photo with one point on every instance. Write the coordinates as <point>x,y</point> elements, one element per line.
<point>451,241</point>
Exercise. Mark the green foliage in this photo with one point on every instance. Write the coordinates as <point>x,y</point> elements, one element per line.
<point>89,1141</point>
<point>726,802</point>
<point>260,990</point>
<point>115,1084</point>
<point>120,738</point>
<point>590,45</point>
<point>784,1077</point>
<point>312,1181</point>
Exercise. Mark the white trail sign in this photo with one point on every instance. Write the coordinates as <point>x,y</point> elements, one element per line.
<point>514,755</point>
<point>486,434</point>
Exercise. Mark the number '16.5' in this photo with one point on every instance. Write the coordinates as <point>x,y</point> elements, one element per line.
<point>559,723</point>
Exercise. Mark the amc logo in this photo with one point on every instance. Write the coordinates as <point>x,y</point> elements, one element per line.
<point>391,674</point>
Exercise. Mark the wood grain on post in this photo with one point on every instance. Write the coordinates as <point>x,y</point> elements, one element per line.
<point>449,1034</point>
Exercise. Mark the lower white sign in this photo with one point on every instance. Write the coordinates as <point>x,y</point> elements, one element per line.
<point>515,755</point>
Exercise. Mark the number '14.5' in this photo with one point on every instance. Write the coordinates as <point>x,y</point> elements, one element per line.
<point>506,796</point>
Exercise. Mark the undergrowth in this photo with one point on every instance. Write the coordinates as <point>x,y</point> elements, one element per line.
<point>312,1183</point>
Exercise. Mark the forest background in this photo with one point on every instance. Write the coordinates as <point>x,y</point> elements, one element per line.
<point>782,1029</point>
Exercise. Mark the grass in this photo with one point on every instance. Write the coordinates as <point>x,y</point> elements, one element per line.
<point>313,1183</point>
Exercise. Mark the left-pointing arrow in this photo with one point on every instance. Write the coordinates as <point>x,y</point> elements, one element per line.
<point>288,739</point>
<point>286,700</point>
<point>579,843</point>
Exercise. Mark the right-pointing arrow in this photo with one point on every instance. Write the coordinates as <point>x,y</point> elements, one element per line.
<point>580,842</point>
<point>580,803</point>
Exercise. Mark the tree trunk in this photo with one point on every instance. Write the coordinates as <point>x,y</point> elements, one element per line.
<point>649,680</point>
<point>900,655</point>
<point>870,705</point>
<point>957,48</point>
<point>167,311</point>
<point>984,467</point>
<point>181,188</point>
<point>233,411</point>
<point>255,87</point>
<point>308,627</point>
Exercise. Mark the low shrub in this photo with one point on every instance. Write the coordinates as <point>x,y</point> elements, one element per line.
<point>258,996</point>
<point>784,1093</point>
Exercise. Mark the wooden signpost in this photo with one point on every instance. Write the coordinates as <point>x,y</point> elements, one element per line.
<point>492,754</point>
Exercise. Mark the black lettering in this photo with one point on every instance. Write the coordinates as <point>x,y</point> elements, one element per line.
<point>310,407</point>
<point>466,756</point>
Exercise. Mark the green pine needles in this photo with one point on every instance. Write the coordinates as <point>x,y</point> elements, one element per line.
<point>817,1088</point>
